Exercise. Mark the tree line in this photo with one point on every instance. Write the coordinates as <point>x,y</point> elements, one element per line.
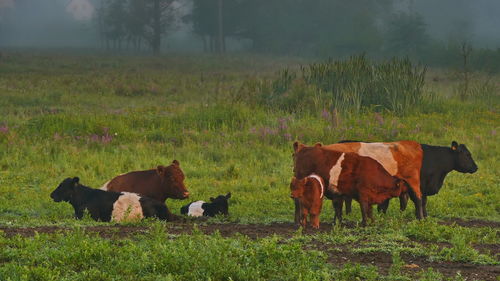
<point>318,27</point>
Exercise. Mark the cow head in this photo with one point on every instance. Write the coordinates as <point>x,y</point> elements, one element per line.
<point>463,158</point>
<point>297,187</point>
<point>66,190</point>
<point>172,178</point>
<point>220,205</point>
<point>400,185</point>
<point>305,159</point>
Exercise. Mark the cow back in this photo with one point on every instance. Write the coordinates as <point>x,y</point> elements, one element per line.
<point>146,183</point>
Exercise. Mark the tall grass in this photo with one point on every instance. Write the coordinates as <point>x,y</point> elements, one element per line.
<point>350,85</point>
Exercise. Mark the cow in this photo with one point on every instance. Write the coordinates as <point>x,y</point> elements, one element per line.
<point>218,205</point>
<point>359,177</point>
<point>108,205</point>
<point>437,162</point>
<point>160,183</point>
<point>309,193</point>
<point>402,159</point>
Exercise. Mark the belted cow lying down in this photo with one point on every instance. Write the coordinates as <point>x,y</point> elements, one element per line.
<point>309,193</point>
<point>218,205</point>
<point>359,177</point>
<point>108,205</point>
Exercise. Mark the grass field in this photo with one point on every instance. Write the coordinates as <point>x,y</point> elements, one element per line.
<point>96,117</point>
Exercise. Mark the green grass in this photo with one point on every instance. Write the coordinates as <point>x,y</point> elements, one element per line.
<point>55,110</point>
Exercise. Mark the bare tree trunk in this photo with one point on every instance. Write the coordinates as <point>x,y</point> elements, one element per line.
<point>205,47</point>
<point>220,33</point>
<point>156,28</point>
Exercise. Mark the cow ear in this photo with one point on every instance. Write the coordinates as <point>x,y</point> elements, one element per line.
<point>454,145</point>
<point>175,162</point>
<point>297,146</point>
<point>228,195</point>
<point>159,170</point>
<point>318,144</point>
<point>76,180</point>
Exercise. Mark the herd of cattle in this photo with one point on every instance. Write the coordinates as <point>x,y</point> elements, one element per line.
<point>370,173</point>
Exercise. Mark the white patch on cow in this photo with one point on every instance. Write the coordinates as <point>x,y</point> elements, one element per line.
<point>105,186</point>
<point>195,209</point>
<point>127,208</point>
<point>335,173</point>
<point>380,152</point>
<point>320,180</point>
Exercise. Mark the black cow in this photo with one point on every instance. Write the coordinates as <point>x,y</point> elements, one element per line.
<point>438,161</point>
<point>108,205</point>
<point>216,206</point>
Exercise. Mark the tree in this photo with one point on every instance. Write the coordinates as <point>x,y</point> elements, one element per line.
<point>162,16</point>
<point>407,34</point>
<point>215,20</point>
<point>136,20</point>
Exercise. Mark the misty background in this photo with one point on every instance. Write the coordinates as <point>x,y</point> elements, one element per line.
<point>432,31</point>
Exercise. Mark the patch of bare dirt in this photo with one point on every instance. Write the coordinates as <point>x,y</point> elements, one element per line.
<point>472,223</point>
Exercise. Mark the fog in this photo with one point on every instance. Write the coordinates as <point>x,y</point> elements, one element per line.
<point>328,29</point>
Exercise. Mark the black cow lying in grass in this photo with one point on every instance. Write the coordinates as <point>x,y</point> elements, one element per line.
<point>108,205</point>
<point>216,206</point>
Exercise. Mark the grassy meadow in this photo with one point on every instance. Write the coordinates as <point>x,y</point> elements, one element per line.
<point>95,117</point>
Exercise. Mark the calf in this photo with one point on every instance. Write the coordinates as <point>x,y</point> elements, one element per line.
<point>160,183</point>
<point>437,162</point>
<point>108,205</point>
<point>216,206</point>
<point>350,174</point>
<point>309,194</point>
<point>402,159</point>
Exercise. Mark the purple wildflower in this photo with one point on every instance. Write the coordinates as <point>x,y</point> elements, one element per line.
<point>325,114</point>
<point>4,129</point>
<point>379,118</point>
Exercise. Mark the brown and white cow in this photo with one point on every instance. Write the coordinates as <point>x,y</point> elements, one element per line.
<point>402,159</point>
<point>309,193</point>
<point>160,183</point>
<point>359,177</point>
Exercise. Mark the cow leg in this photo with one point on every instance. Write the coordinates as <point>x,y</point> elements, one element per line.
<point>424,205</point>
<point>348,205</point>
<point>303,218</point>
<point>370,213</point>
<point>415,194</point>
<point>337,206</point>
<point>364,212</point>
<point>95,216</point>
<point>78,212</point>
<point>382,207</point>
<point>297,210</point>
<point>418,204</point>
<point>314,218</point>
<point>403,201</point>
<point>166,214</point>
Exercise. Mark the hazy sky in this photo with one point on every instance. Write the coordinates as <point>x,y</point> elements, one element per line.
<point>70,22</point>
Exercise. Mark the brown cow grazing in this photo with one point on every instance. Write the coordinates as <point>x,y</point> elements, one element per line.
<point>309,192</point>
<point>350,174</point>
<point>160,183</point>
<point>402,159</point>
